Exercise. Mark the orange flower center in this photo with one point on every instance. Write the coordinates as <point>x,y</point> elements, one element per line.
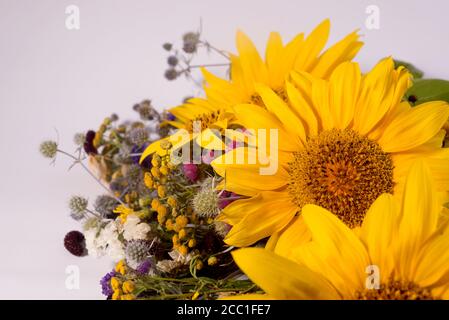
<point>396,290</point>
<point>203,121</point>
<point>341,171</point>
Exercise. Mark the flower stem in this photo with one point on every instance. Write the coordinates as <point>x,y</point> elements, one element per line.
<point>78,160</point>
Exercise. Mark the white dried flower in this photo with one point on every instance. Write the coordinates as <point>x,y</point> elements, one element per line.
<point>134,229</point>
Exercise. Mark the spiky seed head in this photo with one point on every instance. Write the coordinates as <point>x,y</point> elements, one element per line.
<point>114,117</point>
<point>105,205</point>
<point>171,74</point>
<point>78,205</point>
<point>138,136</point>
<point>146,110</point>
<point>206,203</point>
<point>79,139</point>
<point>172,61</point>
<point>137,251</point>
<point>190,40</point>
<point>49,149</point>
<point>167,46</point>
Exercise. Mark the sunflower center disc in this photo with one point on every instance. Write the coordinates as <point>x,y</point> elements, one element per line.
<point>396,290</point>
<point>341,171</point>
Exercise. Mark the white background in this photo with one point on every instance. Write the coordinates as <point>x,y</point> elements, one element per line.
<point>51,77</point>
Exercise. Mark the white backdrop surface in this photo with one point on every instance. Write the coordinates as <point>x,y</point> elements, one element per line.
<point>51,77</point>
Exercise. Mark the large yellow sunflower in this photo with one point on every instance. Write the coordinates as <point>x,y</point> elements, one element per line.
<point>248,69</point>
<point>400,252</point>
<point>342,143</point>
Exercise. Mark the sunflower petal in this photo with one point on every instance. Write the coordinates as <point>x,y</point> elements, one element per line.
<point>278,107</point>
<point>419,217</point>
<point>282,278</point>
<point>295,234</point>
<point>313,45</point>
<point>415,127</point>
<point>344,50</point>
<point>270,214</point>
<point>344,91</point>
<point>330,234</point>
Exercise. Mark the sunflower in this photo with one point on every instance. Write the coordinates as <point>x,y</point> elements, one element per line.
<point>401,251</point>
<point>342,143</point>
<point>248,69</point>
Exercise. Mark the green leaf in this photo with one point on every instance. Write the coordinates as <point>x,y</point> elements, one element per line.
<point>417,74</point>
<point>425,90</point>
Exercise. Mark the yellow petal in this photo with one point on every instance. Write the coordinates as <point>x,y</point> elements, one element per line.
<point>321,102</point>
<point>255,118</point>
<point>154,147</point>
<point>236,188</point>
<point>415,127</point>
<point>344,91</point>
<point>420,213</point>
<point>302,109</point>
<point>378,231</point>
<point>433,263</point>
<point>313,45</point>
<point>252,65</point>
<point>295,234</point>
<point>244,166</point>
<point>344,50</point>
<point>278,107</point>
<point>282,278</point>
<point>331,235</point>
<point>234,212</point>
<point>376,96</point>
<point>270,214</point>
<point>209,140</point>
<point>274,59</point>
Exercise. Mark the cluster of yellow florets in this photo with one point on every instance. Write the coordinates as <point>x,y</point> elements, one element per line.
<point>123,290</point>
<point>170,214</point>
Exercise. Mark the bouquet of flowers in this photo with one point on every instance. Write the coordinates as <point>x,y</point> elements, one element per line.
<point>297,176</point>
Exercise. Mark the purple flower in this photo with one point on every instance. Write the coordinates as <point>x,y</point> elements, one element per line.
<point>226,198</point>
<point>144,267</point>
<point>190,171</point>
<point>136,158</point>
<point>106,283</point>
<point>170,117</point>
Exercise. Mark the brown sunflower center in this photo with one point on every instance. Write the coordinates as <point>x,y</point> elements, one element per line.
<point>396,290</point>
<point>203,121</point>
<point>341,171</point>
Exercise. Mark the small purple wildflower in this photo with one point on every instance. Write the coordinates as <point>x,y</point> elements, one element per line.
<point>144,267</point>
<point>170,117</point>
<point>224,201</point>
<point>106,283</point>
<point>136,150</point>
